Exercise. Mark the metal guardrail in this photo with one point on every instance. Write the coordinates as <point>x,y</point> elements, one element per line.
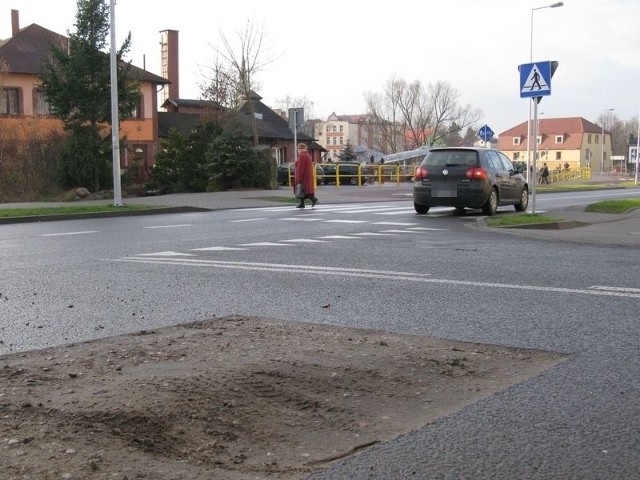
<point>366,174</point>
<point>404,173</point>
<point>583,173</point>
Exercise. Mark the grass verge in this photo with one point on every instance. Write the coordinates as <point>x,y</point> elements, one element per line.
<point>519,219</point>
<point>614,206</point>
<point>41,211</point>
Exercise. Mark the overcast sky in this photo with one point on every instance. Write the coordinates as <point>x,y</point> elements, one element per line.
<point>334,56</point>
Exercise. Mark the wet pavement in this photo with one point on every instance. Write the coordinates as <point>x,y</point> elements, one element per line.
<point>575,225</point>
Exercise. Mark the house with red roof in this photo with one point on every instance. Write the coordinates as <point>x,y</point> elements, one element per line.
<point>21,100</point>
<point>574,141</point>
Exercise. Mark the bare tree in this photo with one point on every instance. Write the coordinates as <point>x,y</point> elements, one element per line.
<point>245,61</point>
<point>447,111</point>
<point>220,89</point>
<point>287,102</point>
<point>409,116</point>
<point>386,115</point>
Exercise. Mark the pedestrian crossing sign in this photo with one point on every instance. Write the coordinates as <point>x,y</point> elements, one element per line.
<point>535,79</point>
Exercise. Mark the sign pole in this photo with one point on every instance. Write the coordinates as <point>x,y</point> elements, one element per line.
<point>637,149</point>
<point>534,174</point>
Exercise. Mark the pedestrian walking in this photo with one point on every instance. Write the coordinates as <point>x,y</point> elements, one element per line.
<point>303,177</point>
<point>544,174</point>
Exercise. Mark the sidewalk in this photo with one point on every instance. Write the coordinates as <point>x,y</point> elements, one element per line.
<point>577,225</point>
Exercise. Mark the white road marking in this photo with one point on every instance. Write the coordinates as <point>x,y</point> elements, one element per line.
<point>389,275</point>
<point>616,289</point>
<point>394,224</point>
<point>301,219</point>
<point>373,234</point>
<point>67,233</point>
<point>390,212</point>
<point>398,231</point>
<point>166,254</point>
<point>427,229</point>
<point>304,240</point>
<point>171,226</point>
<point>216,249</point>
<point>346,221</point>
<point>247,220</point>
<point>338,236</point>
<point>263,244</point>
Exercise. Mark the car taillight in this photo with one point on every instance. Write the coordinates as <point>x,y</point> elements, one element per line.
<point>476,173</point>
<point>421,173</point>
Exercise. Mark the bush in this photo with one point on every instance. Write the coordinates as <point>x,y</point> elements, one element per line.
<point>29,153</point>
<point>233,162</point>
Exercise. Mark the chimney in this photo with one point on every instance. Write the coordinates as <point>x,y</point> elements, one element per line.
<point>170,64</point>
<point>15,22</point>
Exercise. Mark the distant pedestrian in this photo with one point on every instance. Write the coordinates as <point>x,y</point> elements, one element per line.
<point>544,174</point>
<point>303,177</point>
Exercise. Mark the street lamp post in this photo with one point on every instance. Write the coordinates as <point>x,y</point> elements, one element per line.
<point>533,99</point>
<point>602,140</point>
<point>115,119</point>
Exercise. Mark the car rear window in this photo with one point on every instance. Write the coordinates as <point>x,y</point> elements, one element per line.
<point>450,158</point>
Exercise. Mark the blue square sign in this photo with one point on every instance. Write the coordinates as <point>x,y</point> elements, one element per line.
<point>535,79</point>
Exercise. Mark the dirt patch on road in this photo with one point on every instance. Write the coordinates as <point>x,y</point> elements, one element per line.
<point>234,398</point>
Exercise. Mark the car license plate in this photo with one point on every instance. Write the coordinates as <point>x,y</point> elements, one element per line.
<point>448,192</point>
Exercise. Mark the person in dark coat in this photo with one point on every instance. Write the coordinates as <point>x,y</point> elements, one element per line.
<point>544,174</point>
<point>303,174</point>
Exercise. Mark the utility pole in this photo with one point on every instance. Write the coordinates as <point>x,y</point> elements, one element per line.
<point>115,119</point>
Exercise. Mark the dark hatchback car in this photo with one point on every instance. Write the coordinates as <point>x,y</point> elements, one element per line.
<point>344,173</point>
<point>468,178</point>
<point>286,171</point>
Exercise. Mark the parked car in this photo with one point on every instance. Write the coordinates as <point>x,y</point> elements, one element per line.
<point>468,178</point>
<point>287,169</point>
<point>520,166</point>
<point>344,173</point>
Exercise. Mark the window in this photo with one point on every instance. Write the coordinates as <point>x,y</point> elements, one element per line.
<point>516,140</point>
<point>136,112</point>
<point>539,140</point>
<point>516,156</point>
<point>597,139</point>
<point>558,155</point>
<point>506,163</point>
<point>40,104</point>
<point>589,138</point>
<point>341,140</point>
<point>9,101</point>
<point>559,138</point>
<point>341,127</point>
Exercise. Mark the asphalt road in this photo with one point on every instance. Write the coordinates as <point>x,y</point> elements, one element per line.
<point>372,265</point>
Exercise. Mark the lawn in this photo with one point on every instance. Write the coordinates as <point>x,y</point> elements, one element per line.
<point>66,210</point>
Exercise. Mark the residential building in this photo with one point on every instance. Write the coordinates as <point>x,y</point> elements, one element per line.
<point>574,141</point>
<point>21,100</point>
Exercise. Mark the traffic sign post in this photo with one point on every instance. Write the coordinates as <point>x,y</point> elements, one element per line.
<point>485,133</point>
<point>535,83</point>
<point>535,79</point>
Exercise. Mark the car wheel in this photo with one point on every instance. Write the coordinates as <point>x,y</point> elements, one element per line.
<point>491,205</point>
<point>420,209</point>
<point>524,201</point>
<point>459,210</point>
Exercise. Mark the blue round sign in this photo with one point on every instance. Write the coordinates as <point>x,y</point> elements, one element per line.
<point>485,133</point>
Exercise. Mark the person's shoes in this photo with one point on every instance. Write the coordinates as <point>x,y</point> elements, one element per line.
<point>300,206</point>
<point>313,202</point>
